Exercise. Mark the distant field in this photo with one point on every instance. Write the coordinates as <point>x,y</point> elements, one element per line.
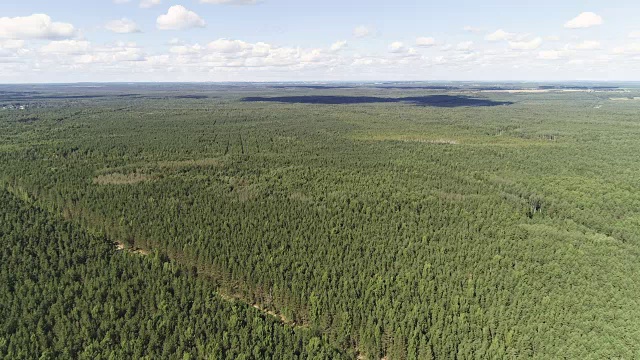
<point>392,220</point>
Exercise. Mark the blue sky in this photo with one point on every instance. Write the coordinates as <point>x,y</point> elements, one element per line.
<point>281,40</point>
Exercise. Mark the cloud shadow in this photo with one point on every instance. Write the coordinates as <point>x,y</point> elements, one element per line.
<point>446,101</point>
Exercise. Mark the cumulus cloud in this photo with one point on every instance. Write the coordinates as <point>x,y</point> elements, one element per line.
<point>338,45</point>
<point>178,18</point>
<point>66,47</point>
<point>228,46</point>
<point>112,54</point>
<point>584,20</point>
<point>186,49</point>
<point>549,55</point>
<point>472,29</point>
<point>397,47</point>
<point>36,26</point>
<point>181,59</point>
<point>11,44</point>
<point>401,51</point>
<point>557,54</point>
<point>145,4</point>
<point>362,31</point>
<point>229,53</point>
<point>122,26</point>
<point>627,49</point>
<point>369,61</point>
<point>588,45</point>
<point>526,45</point>
<point>67,54</point>
<point>500,35</point>
<point>425,41</point>
<point>464,46</point>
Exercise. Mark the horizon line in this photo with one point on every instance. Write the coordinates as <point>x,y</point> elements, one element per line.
<point>320,82</point>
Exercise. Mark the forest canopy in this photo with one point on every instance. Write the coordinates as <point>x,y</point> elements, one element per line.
<point>140,221</point>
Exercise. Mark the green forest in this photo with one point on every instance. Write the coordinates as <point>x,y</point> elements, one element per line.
<point>257,222</point>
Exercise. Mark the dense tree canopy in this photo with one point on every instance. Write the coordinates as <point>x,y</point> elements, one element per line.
<point>382,229</point>
<point>68,294</point>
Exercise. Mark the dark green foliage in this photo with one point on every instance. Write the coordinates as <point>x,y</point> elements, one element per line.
<point>67,294</point>
<point>388,229</point>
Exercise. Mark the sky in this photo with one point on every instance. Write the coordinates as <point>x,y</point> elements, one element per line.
<point>329,40</point>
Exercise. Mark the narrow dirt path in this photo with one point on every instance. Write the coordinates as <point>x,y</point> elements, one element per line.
<point>229,297</point>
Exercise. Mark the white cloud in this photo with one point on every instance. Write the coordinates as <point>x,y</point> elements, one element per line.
<point>362,31</point>
<point>584,20</point>
<point>231,2</point>
<point>65,55</point>
<point>122,26</point>
<point>633,48</point>
<point>260,49</point>
<point>36,26</point>
<point>238,54</point>
<point>587,45</point>
<point>111,54</point>
<point>464,46</point>
<point>500,35</point>
<point>338,45</point>
<point>397,47</point>
<point>553,38</point>
<point>634,34</point>
<point>425,41</point>
<point>66,47</point>
<point>526,45</point>
<point>519,55</point>
<point>278,57</point>
<point>472,29</point>
<point>576,62</point>
<point>312,56</point>
<point>11,44</point>
<point>186,49</point>
<point>145,4</point>
<point>178,18</point>
<point>363,61</point>
<point>228,46</point>
<point>549,55</point>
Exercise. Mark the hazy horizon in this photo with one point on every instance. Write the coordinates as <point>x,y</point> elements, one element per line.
<point>351,82</point>
<point>279,40</point>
